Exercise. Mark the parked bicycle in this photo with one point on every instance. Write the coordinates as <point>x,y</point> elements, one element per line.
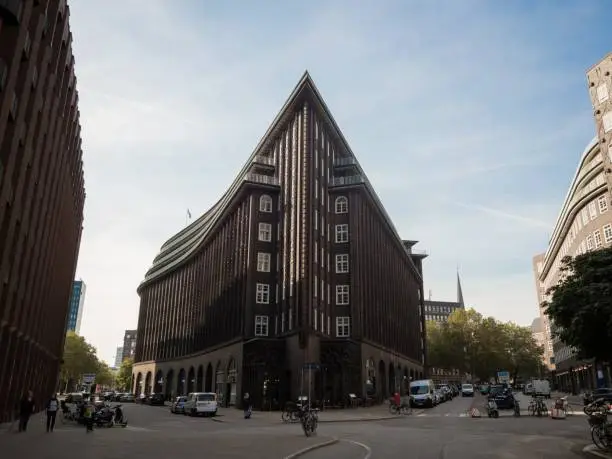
<point>403,408</point>
<point>537,407</point>
<point>601,429</point>
<point>310,420</point>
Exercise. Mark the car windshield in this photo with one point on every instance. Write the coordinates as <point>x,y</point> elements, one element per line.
<point>206,398</point>
<point>467,386</point>
<point>419,390</point>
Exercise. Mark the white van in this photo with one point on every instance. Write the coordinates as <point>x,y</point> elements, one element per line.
<point>201,403</point>
<point>422,393</point>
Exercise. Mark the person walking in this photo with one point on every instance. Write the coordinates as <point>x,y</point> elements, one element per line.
<point>88,414</point>
<point>52,408</point>
<point>26,408</point>
<point>246,405</point>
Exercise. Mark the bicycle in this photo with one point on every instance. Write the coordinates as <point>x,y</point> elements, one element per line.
<point>310,421</point>
<point>403,409</point>
<point>564,405</point>
<point>537,407</point>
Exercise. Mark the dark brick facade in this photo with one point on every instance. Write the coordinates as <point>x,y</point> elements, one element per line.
<point>297,263</point>
<point>41,194</point>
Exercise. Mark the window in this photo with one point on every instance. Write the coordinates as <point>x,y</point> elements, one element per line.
<point>265,203</point>
<point>342,234</point>
<point>265,232</point>
<point>602,93</point>
<point>263,262</point>
<point>343,327</point>
<point>585,217</point>
<point>603,204</point>
<point>342,263</point>
<point>589,242</point>
<point>316,319</point>
<point>607,121</point>
<point>597,237</point>
<point>316,219</point>
<point>607,230</point>
<point>261,325</point>
<point>342,295</point>
<point>592,210</point>
<point>262,295</point>
<point>342,204</point>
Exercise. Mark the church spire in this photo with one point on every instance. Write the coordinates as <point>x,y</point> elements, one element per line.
<point>459,291</point>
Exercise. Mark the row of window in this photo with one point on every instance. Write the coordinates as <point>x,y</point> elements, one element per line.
<point>436,318</point>
<point>438,309</point>
<point>262,294</point>
<point>343,326</point>
<point>340,205</point>
<point>263,262</point>
<point>341,233</point>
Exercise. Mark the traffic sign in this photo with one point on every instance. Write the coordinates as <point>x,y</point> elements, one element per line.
<point>503,376</point>
<point>88,378</point>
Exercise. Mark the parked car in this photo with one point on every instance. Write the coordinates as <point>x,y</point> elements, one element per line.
<point>156,399</point>
<point>503,399</point>
<point>178,405</point>
<point>198,403</point>
<point>467,390</point>
<point>127,398</point>
<point>602,392</point>
<point>422,393</point>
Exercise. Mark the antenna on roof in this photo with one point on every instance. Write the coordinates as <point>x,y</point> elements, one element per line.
<point>429,294</point>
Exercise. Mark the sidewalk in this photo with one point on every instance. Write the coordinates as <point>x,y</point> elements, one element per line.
<point>37,423</point>
<point>375,413</point>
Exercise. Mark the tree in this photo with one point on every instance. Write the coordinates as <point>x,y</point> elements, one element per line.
<point>79,358</point>
<point>104,375</point>
<point>124,377</point>
<point>481,346</point>
<point>580,305</point>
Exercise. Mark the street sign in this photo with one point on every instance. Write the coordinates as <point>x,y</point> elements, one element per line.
<point>503,376</point>
<point>88,378</point>
<point>311,366</point>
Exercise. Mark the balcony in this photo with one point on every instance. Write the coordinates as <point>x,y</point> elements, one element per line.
<point>263,179</point>
<point>10,10</point>
<point>347,181</point>
<point>264,160</point>
<point>345,162</point>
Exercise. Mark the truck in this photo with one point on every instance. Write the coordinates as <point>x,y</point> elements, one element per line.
<point>541,387</point>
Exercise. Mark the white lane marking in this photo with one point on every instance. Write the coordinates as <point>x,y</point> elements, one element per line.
<point>366,447</point>
<point>303,451</point>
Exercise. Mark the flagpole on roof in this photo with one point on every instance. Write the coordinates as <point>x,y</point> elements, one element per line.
<point>187,217</point>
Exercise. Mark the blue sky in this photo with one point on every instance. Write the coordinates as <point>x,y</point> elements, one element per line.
<point>468,117</point>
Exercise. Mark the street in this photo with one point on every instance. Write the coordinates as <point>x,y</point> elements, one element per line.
<point>442,432</point>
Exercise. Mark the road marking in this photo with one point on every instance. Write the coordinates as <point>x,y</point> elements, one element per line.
<point>303,451</point>
<point>366,447</point>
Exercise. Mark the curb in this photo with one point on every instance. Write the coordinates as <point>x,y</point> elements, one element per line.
<point>382,418</point>
<point>595,451</point>
<point>312,448</point>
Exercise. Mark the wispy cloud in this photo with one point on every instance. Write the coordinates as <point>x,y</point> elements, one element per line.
<point>468,117</point>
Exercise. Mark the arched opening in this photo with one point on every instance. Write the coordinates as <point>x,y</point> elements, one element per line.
<point>180,386</point>
<point>159,382</point>
<point>382,381</point>
<point>169,387</point>
<point>220,384</point>
<point>232,379</point>
<point>191,380</point>
<point>392,380</point>
<point>370,383</point>
<point>138,384</point>
<point>200,379</point>
<point>148,382</point>
<point>208,384</point>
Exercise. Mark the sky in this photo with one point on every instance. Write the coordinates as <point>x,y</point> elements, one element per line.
<point>469,119</point>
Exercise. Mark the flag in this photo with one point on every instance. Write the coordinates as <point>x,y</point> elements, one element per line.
<point>188,214</point>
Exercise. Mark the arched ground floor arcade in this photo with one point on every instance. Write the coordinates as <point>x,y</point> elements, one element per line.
<point>275,371</point>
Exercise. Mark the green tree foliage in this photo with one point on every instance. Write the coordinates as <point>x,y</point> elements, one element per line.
<point>481,346</point>
<point>580,305</point>
<point>79,358</point>
<point>104,375</point>
<point>124,377</point>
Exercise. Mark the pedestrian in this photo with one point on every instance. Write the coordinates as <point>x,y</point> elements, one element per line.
<point>52,408</point>
<point>246,405</point>
<point>26,408</point>
<point>88,413</point>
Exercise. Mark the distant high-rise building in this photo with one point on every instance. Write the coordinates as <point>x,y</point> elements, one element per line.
<point>119,357</point>
<point>77,303</point>
<point>41,195</point>
<point>129,344</point>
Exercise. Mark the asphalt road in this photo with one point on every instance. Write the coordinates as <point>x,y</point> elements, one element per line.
<point>439,433</point>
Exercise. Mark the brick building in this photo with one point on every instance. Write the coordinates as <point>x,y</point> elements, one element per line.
<point>296,274</point>
<point>41,194</point>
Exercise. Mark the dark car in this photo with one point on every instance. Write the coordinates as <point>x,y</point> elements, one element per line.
<point>504,399</point>
<point>602,392</point>
<point>156,399</point>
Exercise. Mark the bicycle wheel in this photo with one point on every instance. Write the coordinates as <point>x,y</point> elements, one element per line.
<point>305,426</point>
<point>286,416</point>
<point>569,410</point>
<point>598,435</point>
<point>393,409</point>
<point>531,410</point>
